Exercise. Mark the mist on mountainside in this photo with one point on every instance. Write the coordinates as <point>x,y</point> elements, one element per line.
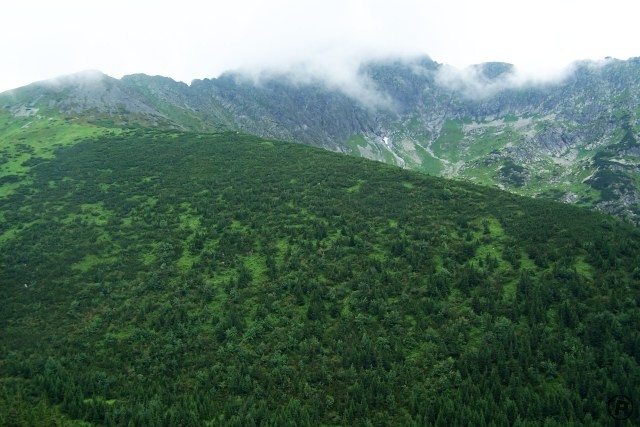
<point>349,75</point>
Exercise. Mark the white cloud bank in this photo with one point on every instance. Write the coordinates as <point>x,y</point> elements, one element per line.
<point>192,39</point>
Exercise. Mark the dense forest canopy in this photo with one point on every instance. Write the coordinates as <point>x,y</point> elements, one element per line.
<point>182,279</point>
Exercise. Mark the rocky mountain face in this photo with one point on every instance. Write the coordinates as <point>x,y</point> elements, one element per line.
<point>573,140</point>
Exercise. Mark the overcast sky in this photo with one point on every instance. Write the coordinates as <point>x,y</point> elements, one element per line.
<point>190,39</point>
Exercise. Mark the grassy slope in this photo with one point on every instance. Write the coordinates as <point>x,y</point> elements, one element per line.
<point>28,140</point>
<point>182,278</point>
<point>479,154</point>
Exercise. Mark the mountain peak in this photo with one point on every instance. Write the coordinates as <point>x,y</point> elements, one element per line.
<point>494,70</point>
<point>82,78</point>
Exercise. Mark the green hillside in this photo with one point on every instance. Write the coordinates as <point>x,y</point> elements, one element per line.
<point>163,278</point>
<point>573,140</point>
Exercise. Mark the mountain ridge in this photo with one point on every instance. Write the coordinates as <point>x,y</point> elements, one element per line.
<point>474,124</point>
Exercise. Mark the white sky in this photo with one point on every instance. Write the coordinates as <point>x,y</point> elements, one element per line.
<point>191,39</point>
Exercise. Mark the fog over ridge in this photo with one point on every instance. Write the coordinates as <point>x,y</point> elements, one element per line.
<point>472,82</point>
<point>348,71</point>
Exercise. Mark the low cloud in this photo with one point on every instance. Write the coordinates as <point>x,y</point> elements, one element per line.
<point>343,71</point>
<point>340,71</point>
<point>485,80</point>
<point>82,78</point>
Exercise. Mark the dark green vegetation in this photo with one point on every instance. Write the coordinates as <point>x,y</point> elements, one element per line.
<point>615,168</point>
<point>537,140</point>
<point>512,173</point>
<point>164,278</point>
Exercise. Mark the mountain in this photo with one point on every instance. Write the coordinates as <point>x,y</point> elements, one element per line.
<point>573,140</point>
<point>160,277</point>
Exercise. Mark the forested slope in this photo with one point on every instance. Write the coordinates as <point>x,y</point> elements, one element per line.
<point>573,139</point>
<point>166,278</point>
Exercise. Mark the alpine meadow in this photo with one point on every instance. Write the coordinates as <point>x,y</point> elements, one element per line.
<point>431,250</point>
